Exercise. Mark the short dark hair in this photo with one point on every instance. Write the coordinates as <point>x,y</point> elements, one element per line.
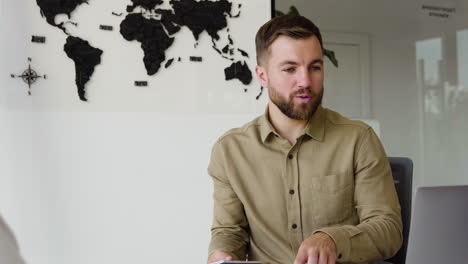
<point>293,26</point>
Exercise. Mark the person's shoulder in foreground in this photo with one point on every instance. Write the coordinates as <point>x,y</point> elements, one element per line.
<point>9,251</point>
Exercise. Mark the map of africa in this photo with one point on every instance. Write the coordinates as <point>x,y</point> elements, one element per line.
<point>155,28</point>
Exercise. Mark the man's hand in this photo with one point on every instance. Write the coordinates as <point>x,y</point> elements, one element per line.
<point>218,255</point>
<point>317,249</point>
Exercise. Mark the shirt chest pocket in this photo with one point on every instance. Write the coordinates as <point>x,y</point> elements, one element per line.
<point>331,198</point>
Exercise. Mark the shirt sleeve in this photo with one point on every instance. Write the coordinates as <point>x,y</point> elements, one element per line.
<point>229,228</point>
<point>378,236</point>
<point>9,251</point>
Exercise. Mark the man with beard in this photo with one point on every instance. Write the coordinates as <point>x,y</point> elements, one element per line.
<point>301,183</point>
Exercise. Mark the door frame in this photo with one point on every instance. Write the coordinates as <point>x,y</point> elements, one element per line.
<point>362,42</point>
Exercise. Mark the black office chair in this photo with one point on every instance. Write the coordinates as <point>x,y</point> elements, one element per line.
<point>402,170</point>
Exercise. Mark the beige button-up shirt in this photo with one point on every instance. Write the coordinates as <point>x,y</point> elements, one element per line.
<point>270,195</point>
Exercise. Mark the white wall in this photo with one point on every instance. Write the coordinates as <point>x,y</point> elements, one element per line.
<point>22,200</point>
<point>127,187</point>
<point>394,27</point>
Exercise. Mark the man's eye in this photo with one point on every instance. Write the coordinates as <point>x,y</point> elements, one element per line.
<point>316,68</point>
<point>289,70</point>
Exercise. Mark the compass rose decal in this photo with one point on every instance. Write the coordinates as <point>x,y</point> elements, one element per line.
<point>29,76</point>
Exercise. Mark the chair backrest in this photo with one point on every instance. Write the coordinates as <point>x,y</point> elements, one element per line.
<point>402,170</point>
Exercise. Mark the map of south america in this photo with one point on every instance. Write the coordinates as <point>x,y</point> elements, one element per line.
<point>85,56</point>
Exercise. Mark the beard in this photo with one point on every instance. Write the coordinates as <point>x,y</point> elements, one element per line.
<point>299,111</point>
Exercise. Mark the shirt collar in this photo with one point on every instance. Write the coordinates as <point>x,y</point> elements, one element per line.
<point>315,127</point>
<point>266,128</point>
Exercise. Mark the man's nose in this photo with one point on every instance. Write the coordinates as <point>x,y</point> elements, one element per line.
<point>304,79</point>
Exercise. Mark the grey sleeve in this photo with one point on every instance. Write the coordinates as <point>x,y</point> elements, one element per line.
<point>9,250</point>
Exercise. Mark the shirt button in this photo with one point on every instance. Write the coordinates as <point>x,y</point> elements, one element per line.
<point>290,156</point>
<point>291,192</point>
<point>294,226</point>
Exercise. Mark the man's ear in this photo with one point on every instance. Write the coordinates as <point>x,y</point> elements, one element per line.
<point>262,75</point>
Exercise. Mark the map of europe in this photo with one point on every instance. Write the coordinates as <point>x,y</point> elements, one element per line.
<point>155,28</point>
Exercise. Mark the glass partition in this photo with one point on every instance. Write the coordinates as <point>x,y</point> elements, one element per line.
<point>417,76</point>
